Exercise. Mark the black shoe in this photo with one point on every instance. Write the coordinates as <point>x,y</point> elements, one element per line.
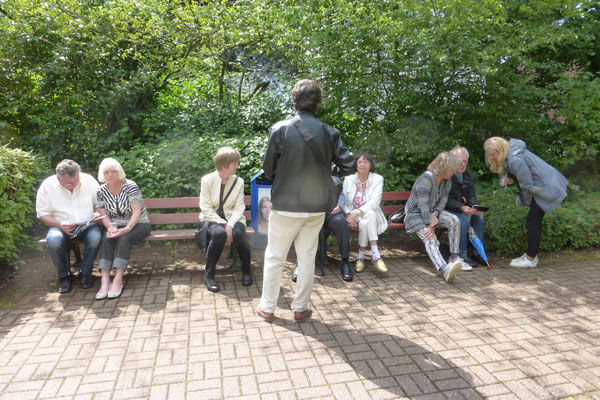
<point>247,280</point>
<point>211,284</point>
<point>347,272</point>
<point>64,285</point>
<point>86,280</point>
<point>477,257</point>
<point>468,260</point>
<point>295,274</point>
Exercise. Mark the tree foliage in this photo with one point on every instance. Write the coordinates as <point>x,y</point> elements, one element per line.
<point>403,80</point>
<point>19,175</point>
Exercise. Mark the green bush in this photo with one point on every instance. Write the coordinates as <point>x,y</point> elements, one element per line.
<point>174,168</point>
<point>573,225</point>
<point>19,176</point>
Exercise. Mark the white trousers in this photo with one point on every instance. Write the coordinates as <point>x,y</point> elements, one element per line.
<point>283,231</point>
<point>367,228</point>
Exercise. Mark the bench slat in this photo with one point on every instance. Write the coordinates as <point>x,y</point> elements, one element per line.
<point>395,196</point>
<point>182,218</point>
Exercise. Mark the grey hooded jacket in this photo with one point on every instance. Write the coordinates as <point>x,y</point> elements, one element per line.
<point>530,170</point>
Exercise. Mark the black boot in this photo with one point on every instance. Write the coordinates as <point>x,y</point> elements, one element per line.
<point>211,284</point>
<point>346,271</point>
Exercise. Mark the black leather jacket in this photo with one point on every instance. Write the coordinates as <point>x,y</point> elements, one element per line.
<point>462,194</point>
<point>298,159</point>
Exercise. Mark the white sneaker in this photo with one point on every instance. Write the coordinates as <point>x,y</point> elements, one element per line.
<point>465,265</point>
<point>452,269</point>
<point>524,262</point>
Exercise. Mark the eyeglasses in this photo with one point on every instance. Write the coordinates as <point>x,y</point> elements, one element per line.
<point>69,182</point>
<point>492,154</point>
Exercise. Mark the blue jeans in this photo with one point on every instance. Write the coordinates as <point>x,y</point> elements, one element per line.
<point>58,242</point>
<point>466,220</point>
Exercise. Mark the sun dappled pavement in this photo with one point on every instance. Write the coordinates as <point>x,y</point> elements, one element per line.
<point>495,333</point>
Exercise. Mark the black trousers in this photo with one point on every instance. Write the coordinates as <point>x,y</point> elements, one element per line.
<point>218,236</point>
<point>337,224</point>
<point>534,228</point>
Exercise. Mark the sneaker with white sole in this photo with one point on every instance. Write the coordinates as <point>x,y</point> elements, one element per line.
<point>465,264</point>
<point>524,262</point>
<point>452,269</point>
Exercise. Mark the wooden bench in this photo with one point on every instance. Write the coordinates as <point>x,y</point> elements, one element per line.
<point>392,202</point>
<point>162,211</point>
<point>189,218</point>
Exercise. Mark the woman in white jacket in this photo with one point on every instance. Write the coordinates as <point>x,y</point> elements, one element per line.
<point>222,208</point>
<point>362,192</point>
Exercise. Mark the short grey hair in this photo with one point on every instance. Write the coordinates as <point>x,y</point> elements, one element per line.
<point>110,164</point>
<point>307,95</point>
<point>67,167</point>
<point>460,149</point>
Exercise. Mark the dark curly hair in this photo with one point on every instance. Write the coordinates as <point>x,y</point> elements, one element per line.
<point>307,95</point>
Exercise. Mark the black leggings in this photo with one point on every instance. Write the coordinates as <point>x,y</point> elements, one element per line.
<point>534,228</point>
<point>218,237</point>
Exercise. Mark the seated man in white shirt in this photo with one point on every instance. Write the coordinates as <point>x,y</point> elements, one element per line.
<point>66,202</point>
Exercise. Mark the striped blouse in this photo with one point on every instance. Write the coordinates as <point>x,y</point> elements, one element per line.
<point>118,206</point>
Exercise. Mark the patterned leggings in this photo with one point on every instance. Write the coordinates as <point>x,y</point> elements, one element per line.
<point>432,245</point>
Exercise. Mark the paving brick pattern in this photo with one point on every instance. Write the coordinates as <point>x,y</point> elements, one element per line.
<point>499,333</point>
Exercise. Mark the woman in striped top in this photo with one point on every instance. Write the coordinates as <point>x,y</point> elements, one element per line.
<point>425,210</point>
<point>120,200</point>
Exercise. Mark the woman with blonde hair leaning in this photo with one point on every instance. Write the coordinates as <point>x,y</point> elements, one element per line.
<point>541,187</point>
<point>126,222</point>
<point>222,208</point>
<point>362,192</point>
<point>425,209</point>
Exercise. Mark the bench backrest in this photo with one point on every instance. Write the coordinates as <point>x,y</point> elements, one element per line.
<point>397,199</point>
<point>191,205</point>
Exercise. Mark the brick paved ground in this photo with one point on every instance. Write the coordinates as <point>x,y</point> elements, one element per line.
<point>499,334</point>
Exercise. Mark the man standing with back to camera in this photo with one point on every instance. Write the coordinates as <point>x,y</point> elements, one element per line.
<point>298,159</point>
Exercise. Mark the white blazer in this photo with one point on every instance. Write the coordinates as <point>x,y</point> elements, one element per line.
<point>210,189</point>
<point>372,196</point>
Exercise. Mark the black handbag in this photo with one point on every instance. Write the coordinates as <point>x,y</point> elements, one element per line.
<point>398,216</point>
<point>201,235</point>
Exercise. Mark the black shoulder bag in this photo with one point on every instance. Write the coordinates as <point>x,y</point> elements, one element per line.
<point>201,233</point>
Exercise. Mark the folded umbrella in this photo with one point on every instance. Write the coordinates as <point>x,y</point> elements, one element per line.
<point>478,245</point>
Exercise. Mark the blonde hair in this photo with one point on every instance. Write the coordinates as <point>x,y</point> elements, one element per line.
<point>444,163</point>
<point>502,146</point>
<point>110,163</point>
<point>226,156</point>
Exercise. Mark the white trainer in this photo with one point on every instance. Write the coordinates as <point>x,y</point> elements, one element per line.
<point>452,269</point>
<point>524,262</point>
<point>466,267</point>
